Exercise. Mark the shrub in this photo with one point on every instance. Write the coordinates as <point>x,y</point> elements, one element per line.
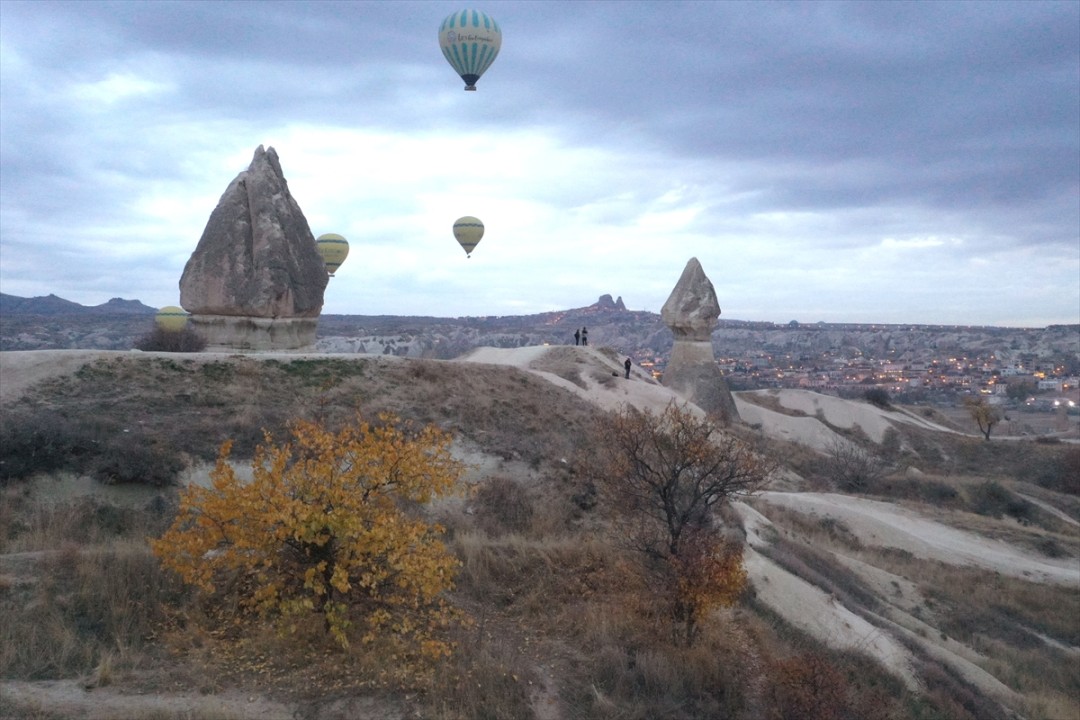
<point>45,441</point>
<point>321,531</point>
<point>1063,475</point>
<point>161,340</point>
<point>807,686</point>
<point>994,500</point>
<point>851,467</point>
<point>136,459</point>
<point>502,506</point>
<point>878,397</point>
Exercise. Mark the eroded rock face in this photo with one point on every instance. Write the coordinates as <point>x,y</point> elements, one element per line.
<point>257,257</point>
<point>691,311</point>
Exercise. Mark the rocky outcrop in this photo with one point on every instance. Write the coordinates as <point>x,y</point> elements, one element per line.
<point>606,303</point>
<point>692,309</point>
<point>692,312</point>
<point>256,279</point>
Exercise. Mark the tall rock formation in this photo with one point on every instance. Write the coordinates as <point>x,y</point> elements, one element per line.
<point>256,279</point>
<point>691,312</point>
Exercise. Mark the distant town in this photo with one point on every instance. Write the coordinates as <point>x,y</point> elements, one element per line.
<point>1027,369</point>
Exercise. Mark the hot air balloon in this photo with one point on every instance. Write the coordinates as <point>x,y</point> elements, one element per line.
<point>171,318</point>
<point>468,231</point>
<point>334,249</point>
<point>470,40</point>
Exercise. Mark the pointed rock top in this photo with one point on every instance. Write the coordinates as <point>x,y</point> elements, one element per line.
<point>257,256</point>
<point>692,309</point>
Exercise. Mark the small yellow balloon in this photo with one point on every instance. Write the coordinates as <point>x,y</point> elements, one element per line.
<point>171,318</point>
<point>468,231</point>
<point>334,249</point>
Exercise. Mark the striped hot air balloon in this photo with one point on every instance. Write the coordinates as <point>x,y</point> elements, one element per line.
<point>470,40</point>
<point>468,231</point>
<point>334,249</point>
<point>171,318</point>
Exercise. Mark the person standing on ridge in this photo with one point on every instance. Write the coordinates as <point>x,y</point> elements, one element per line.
<point>577,336</point>
<point>627,365</point>
<point>584,336</point>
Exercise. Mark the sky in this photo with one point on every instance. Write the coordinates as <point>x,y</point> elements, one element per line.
<point>869,162</point>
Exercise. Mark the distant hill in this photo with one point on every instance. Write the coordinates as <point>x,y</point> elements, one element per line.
<point>51,305</point>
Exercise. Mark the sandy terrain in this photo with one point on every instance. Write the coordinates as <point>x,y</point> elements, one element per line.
<point>602,376</point>
<point>886,525</point>
<point>822,616</point>
<point>808,430</point>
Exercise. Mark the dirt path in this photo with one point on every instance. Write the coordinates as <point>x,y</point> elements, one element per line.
<point>68,698</point>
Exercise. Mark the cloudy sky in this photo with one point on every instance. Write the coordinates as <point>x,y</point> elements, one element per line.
<point>900,162</point>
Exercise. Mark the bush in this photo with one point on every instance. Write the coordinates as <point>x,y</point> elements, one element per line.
<point>47,441</point>
<point>853,468</point>
<point>502,506</point>
<point>1064,475</point>
<point>136,459</point>
<point>161,340</point>
<point>994,500</point>
<point>322,532</point>
<point>807,686</point>
<point>878,397</point>
<point>40,442</point>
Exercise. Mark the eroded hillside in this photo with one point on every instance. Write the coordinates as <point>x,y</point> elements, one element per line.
<point>955,568</point>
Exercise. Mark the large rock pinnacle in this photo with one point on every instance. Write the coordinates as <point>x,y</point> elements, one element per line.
<point>256,279</point>
<point>257,256</point>
<point>691,312</point>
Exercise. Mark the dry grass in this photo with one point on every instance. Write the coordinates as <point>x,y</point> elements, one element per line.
<point>556,620</point>
<point>508,412</point>
<point>87,611</point>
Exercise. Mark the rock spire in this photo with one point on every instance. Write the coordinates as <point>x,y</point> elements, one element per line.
<point>691,312</point>
<point>256,279</point>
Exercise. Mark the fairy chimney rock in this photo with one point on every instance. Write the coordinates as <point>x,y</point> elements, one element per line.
<point>257,256</point>
<point>256,279</point>
<point>691,312</point>
<point>692,309</point>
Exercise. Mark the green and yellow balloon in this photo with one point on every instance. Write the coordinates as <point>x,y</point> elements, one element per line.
<point>171,318</point>
<point>470,40</point>
<point>468,231</point>
<point>334,249</point>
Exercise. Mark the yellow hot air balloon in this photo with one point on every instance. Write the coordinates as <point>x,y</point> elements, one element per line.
<point>334,249</point>
<point>171,318</point>
<point>470,40</point>
<point>468,231</point>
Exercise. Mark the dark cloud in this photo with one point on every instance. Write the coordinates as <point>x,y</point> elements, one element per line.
<point>870,120</point>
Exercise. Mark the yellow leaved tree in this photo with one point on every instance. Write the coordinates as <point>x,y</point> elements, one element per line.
<point>326,526</point>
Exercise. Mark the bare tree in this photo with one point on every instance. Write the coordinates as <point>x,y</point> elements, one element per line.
<point>661,476</point>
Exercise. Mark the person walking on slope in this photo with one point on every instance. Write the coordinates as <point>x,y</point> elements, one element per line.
<point>584,336</point>
<point>627,365</point>
<point>577,336</point>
